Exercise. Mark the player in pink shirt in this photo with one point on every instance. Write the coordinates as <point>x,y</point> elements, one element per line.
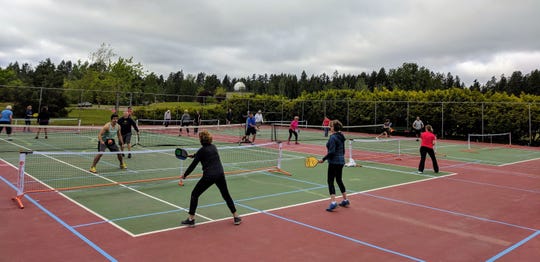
<point>426,147</point>
<point>293,130</point>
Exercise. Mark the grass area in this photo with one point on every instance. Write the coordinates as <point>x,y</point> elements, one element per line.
<point>100,114</point>
<point>91,116</point>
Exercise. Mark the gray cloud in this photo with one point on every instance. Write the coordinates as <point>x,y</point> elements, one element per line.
<point>472,39</point>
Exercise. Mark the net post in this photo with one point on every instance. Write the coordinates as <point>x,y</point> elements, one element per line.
<point>280,154</point>
<point>399,150</point>
<point>469,141</point>
<point>20,178</point>
<point>351,162</point>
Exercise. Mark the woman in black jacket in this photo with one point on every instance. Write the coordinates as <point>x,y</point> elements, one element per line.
<point>213,173</point>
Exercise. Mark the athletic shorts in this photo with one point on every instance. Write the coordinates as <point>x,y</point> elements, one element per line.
<point>126,138</point>
<point>251,130</point>
<point>112,148</point>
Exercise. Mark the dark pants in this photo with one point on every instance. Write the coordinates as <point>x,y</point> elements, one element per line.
<point>8,128</point>
<point>184,124</point>
<point>203,184</point>
<point>426,150</point>
<point>291,133</point>
<point>418,132</point>
<point>335,172</point>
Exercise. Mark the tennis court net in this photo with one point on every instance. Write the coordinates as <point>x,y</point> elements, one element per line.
<point>174,122</point>
<point>489,141</point>
<point>70,138</point>
<point>280,132</point>
<point>380,149</point>
<point>55,171</point>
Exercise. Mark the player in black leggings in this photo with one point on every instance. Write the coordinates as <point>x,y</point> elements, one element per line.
<point>213,173</point>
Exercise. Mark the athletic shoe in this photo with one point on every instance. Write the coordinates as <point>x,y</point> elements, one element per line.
<point>46,137</point>
<point>420,172</point>
<point>237,220</point>
<point>123,166</point>
<point>331,207</point>
<point>93,169</point>
<point>37,137</point>
<point>188,222</point>
<point>345,203</point>
<point>123,155</point>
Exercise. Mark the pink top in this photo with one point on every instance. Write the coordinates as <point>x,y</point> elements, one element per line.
<point>428,139</point>
<point>326,121</point>
<point>294,125</point>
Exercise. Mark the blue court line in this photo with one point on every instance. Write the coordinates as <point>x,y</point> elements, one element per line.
<point>493,185</point>
<point>449,211</point>
<point>333,233</point>
<point>202,206</point>
<point>60,221</point>
<point>516,245</point>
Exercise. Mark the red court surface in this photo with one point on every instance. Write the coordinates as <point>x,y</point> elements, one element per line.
<point>480,213</point>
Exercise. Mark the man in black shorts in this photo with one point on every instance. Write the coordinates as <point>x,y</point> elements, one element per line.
<point>251,129</point>
<point>106,137</point>
<point>126,123</point>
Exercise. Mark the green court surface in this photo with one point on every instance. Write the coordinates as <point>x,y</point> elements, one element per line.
<point>147,207</point>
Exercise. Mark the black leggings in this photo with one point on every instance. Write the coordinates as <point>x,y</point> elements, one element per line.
<point>203,184</point>
<point>291,133</point>
<point>8,128</point>
<point>426,150</point>
<point>335,172</point>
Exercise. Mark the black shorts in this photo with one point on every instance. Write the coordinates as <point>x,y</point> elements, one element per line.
<point>126,138</point>
<point>251,130</point>
<point>112,148</point>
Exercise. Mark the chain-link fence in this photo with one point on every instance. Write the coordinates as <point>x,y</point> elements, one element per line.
<point>449,119</point>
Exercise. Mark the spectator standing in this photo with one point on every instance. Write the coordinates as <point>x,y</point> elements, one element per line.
<point>418,125</point>
<point>229,116</point>
<point>167,118</point>
<point>184,122</point>
<point>259,119</point>
<point>28,119</point>
<point>326,125</point>
<point>197,122</point>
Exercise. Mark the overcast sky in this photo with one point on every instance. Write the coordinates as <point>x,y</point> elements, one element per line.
<point>475,39</point>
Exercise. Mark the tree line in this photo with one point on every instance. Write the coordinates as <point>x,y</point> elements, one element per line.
<point>106,78</point>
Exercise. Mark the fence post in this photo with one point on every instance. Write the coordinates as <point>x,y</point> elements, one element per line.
<point>442,120</point>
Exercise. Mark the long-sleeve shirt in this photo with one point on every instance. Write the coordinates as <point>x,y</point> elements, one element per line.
<point>211,163</point>
<point>126,124</point>
<point>336,149</point>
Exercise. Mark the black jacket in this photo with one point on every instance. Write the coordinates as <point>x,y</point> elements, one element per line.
<point>211,163</point>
